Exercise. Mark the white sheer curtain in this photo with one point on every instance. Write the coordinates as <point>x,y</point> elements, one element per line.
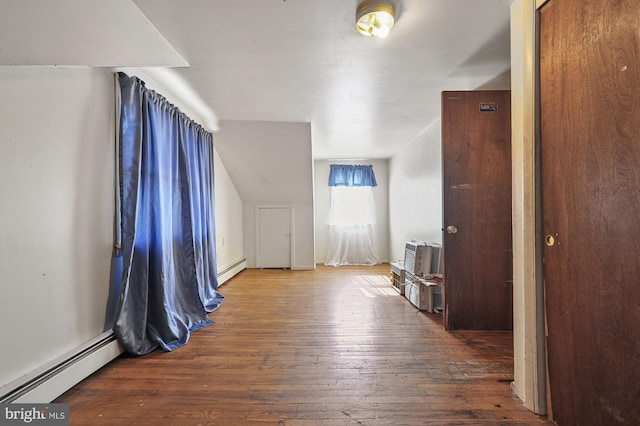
<point>352,236</point>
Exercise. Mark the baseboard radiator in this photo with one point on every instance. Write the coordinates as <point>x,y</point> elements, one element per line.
<point>229,272</point>
<point>55,378</point>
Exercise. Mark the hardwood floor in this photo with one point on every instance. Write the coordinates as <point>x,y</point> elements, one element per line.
<point>335,346</point>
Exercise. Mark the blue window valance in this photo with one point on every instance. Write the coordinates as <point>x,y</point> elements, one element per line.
<point>351,175</point>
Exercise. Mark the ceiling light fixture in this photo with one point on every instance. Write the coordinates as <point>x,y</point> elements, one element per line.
<point>374,18</point>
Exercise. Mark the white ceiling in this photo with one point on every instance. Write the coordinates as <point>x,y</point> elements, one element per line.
<point>282,60</point>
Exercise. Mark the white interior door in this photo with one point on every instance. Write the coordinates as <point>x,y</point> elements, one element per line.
<point>274,237</point>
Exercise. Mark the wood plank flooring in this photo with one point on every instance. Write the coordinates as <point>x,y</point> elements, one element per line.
<point>335,346</point>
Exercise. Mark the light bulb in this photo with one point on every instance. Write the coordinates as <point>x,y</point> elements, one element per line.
<point>379,29</point>
<point>374,19</point>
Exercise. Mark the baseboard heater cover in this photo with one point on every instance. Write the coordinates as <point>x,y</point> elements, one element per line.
<point>53,379</point>
<point>229,272</point>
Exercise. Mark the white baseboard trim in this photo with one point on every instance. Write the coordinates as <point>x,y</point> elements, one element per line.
<point>53,379</point>
<point>303,268</point>
<point>229,272</point>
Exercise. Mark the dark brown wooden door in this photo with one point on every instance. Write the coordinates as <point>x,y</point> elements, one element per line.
<point>590,168</point>
<point>476,152</point>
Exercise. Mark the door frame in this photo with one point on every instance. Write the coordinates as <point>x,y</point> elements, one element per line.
<point>257,231</point>
<point>530,367</point>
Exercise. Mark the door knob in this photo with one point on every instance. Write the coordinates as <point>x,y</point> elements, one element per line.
<point>550,240</point>
<point>451,229</point>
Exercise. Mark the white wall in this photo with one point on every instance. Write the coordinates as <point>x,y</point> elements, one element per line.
<point>56,214</point>
<point>415,191</point>
<point>270,164</point>
<point>229,233</point>
<point>323,203</point>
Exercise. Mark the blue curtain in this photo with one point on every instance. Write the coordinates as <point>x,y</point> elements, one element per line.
<point>351,175</point>
<point>169,278</point>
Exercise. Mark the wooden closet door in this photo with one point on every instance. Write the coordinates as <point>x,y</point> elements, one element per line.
<point>590,149</point>
<point>476,152</point>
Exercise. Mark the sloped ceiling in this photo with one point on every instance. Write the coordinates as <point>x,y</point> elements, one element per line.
<point>108,33</point>
<point>282,60</point>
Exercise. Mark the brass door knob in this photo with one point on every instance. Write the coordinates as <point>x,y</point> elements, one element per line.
<point>452,229</point>
<point>550,240</point>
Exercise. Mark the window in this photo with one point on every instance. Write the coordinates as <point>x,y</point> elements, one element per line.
<point>352,234</point>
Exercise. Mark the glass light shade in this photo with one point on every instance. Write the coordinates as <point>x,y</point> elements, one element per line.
<point>375,19</point>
